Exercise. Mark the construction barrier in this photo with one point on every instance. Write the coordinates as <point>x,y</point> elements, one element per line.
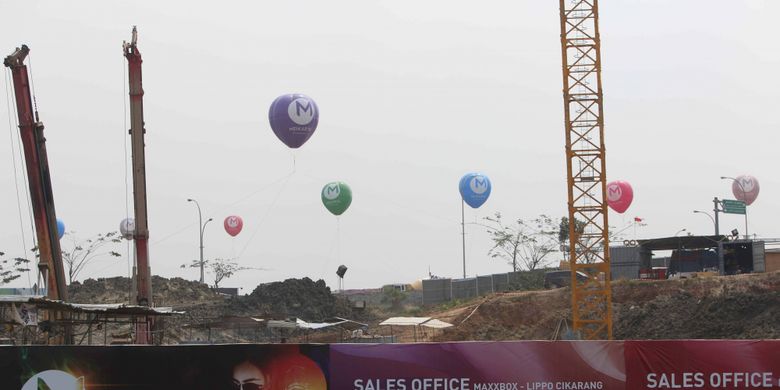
<point>526,365</point>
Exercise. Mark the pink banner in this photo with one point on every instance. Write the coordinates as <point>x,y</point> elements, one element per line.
<point>527,365</point>
<point>703,364</point>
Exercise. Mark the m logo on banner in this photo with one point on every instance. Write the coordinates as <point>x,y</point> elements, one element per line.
<point>54,380</point>
<point>332,192</point>
<point>301,111</point>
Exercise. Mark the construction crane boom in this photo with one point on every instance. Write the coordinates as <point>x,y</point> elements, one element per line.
<point>39,178</point>
<point>141,235</point>
<point>586,169</point>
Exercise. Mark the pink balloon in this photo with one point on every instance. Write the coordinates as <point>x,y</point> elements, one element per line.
<point>745,188</point>
<point>619,195</point>
<point>233,225</point>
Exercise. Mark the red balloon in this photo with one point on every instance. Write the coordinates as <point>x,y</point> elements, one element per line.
<point>233,225</point>
<point>745,188</point>
<point>619,195</point>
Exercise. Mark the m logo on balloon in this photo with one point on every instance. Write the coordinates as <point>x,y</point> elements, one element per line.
<point>745,188</point>
<point>474,189</point>
<point>479,185</point>
<point>619,195</point>
<point>293,119</point>
<point>336,197</point>
<point>233,225</point>
<point>614,192</point>
<point>331,192</point>
<point>747,183</point>
<point>301,111</point>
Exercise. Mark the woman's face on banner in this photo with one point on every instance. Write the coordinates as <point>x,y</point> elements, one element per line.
<point>247,376</point>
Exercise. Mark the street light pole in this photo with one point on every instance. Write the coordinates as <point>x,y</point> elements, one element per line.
<point>202,229</point>
<point>710,217</point>
<point>744,197</point>
<point>719,252</point>
<point>463,233</point>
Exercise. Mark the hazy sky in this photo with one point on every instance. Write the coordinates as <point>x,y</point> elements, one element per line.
<point>412,95</point>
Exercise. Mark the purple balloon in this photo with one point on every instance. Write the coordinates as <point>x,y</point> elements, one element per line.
<point>294,118</point>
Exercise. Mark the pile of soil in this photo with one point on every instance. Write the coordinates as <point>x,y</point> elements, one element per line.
<point>728,307</point>
<point>300,298</point>
<point>731,307</point>
<point>527,315</point>
<point>175,292</point>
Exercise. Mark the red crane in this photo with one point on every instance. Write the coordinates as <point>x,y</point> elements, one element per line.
<point>141,235</point>
<point>41,194</point>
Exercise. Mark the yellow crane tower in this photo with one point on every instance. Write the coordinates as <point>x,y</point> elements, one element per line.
<point>586,168</point>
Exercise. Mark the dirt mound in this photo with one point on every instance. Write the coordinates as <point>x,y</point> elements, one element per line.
<point>733,307</point>
<point>175,292</point>
<point>510,316</point>
<point>301,298</point>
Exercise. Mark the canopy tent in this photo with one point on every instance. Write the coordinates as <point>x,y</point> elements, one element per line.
<point>416,321</point>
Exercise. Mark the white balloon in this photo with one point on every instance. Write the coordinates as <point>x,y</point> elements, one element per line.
<point>127,228</point>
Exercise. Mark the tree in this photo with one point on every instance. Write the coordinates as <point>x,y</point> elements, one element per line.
<point>83,252</point>
<point>563,233</point>
<point>12,269</point>
<point>563,238</point>
<point>221,268</point>
<point>523,243</point>
<point>393,296</point>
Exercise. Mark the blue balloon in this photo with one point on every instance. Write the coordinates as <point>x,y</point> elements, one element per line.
<point>475,189</point>
<point>60,228</point>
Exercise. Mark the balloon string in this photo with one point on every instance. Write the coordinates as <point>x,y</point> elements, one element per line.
<point>192,224</point>
<point>330,255</point>
<point>264,217</point>
<point>338,239</point>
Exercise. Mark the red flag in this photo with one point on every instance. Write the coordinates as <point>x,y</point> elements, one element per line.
<point>637,219</point>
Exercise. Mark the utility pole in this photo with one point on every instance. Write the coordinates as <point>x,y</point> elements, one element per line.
<point>716,209</point>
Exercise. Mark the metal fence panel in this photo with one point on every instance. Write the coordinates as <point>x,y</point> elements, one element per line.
<point>436,291</point>
<point>484,285</point>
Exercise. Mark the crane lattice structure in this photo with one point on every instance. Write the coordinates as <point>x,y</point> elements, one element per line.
<point>586,168</point>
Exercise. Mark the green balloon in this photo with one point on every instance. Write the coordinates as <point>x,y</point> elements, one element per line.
<point>336,197</point>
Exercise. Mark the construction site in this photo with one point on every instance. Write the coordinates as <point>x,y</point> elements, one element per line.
<point>584,304</point>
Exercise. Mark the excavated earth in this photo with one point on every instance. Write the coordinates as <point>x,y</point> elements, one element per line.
<point>729,307</point>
